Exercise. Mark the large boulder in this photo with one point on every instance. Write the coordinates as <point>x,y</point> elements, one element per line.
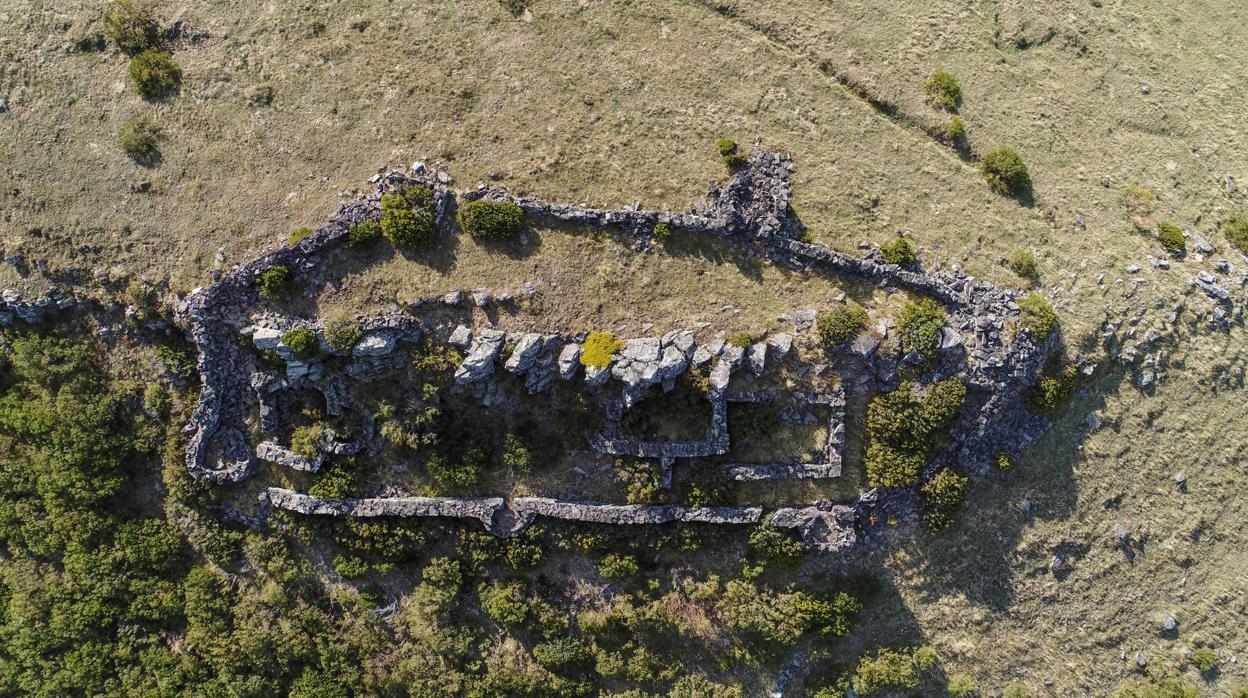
<point>479,363</point>
<point>525,353</point>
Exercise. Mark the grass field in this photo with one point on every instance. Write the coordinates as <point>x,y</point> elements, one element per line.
<point>1126,113</point>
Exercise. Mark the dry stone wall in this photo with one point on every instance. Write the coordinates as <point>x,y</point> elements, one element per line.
<point>997,360</point>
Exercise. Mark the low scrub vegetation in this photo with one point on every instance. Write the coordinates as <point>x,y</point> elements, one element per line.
<point>898,251</point>
<point>1171,238</point>
<point>1037,316</point>
<point>139,138</point>
<point>901,669</point>
<point>301,340</point>
<point>943,496</point>
<point>274,281</point>
<point>942,90</point>
<point>906,427</point>
<point>155,74</point>
<point>841,323</point>
<point>1004,170</point>
<point>729,151</point>
<point>364,233</point>
<point>406,220</point>
<point>342,333</point>
<point>919,325</point>
<point>298,234</point>
<point>1235,229</point>
<point>131,24</point>
<point>491,220</point>
<point>1052,389</point>
<point>1023,263</point>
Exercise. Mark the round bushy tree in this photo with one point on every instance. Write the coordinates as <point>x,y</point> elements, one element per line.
<point>942,90</point>
<point>898,251</point>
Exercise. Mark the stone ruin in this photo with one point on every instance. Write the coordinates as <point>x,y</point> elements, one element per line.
<point>982,342</point>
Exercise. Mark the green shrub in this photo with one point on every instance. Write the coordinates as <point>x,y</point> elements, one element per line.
<point>301,340</point>
<point>698,686</point>
<point>456,473</point>
<point>406,227</point>
<point>364,233</point>
<point>273,281</point>
<point>1023,263</point>
<point>955,130</point>
<point>1003,462</point>
<point>841,323</point>
<point>350,567</point>
<point>662,231</point>
<point>961,686</point>
<point>131,24</point>
<point>1171,237</point>
<point>298,234</point>
<point>898,669</point>
<point>337,480</point>
<point>599,348</point>
<point>516,454</point>
<point>139,138</point>
<point>1240,691</point>
<point>1052,390</point>
<point>898,251</point>
<point>741,340</point>
<point>1205,659</point>
<point>726,146</point>
<point>776,547</point>
<point>563,652</point>
<point>343,333</point>
<point>942,90</point>
<point>1037,316</point>
<point>617,566</point>
<point>943,496</point>
<point>306,440</point>
<point>904,430</point>
<point>505,602</point>
<point>414,196</point>
<point>154,73</point>
<point>1005,171</point>
<point>1016,690</point>
<point>919,326</point>
<point>492,220</point>
<point>783,617</point>
<point>1235,229</point>
<point>1157,685</point>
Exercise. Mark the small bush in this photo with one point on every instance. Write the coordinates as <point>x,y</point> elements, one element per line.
<point>406,227</point>
<point>898,251</point>
<point>131,24</point>
<point>599,348</point>
<point>1171,237</point>
<point>1037,315</point>
<point>1157,685</point>
<point>777,547</point>
<point>306,440</point>
<point>504,602</point>
<point>1052,390</point>
<point>342,334</point>
<point>1235,229</point>
<point>726,146</point>
<point>942,498</point>
<point>564,652</point>
<point>955,130</point>
<point>905,429</point>
<point>516,454</point>
<point>273,281</point>
<point>942,90</point>
<point>842,323</point>
<point>919,325</point>
<point>1023,263</point>
<point>298,234</point>
<point>139,138</point>
<point>898,669</point>
<point>364,233</point>
<point>350,567</point>
<point>1016,690</point>
<point>1205,659</point>
<point>301,340</point>
<point>493,220</point>
<point>1003,462</point>
<point>1005,171</point>
<point>413,196</point>
<point>154,73</point>
<point>961,686</point>
<point>662,231</point>
<point>456,471</point>
<point>617,566</point>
